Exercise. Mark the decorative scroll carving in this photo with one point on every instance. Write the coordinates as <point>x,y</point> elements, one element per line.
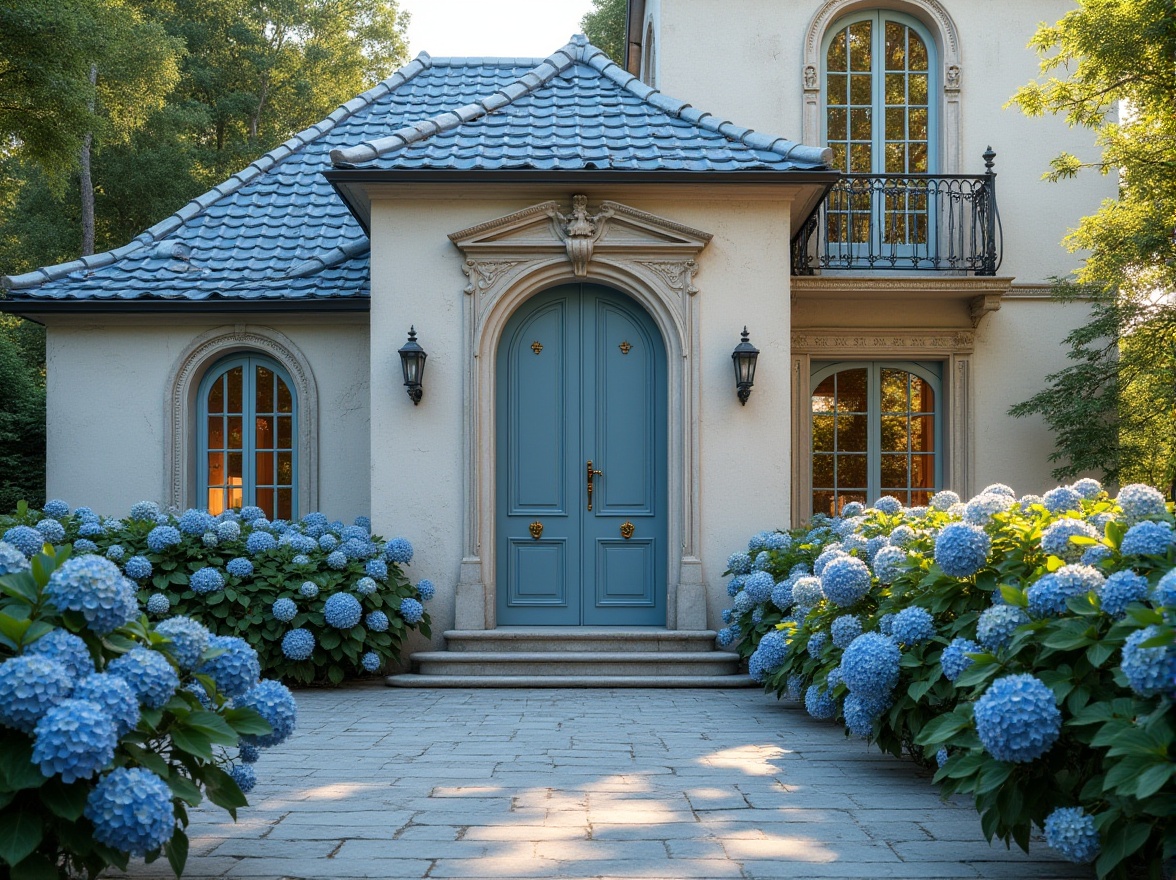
<point>580,232</point>
<point>881,343</point>
<point>483,273</point>
<point>677,274</point>
<point>982,305</point>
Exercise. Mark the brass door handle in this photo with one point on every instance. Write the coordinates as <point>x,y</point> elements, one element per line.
<point>591,474</point>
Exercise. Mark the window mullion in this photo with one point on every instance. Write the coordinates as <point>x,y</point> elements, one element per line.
<point>248,424</point>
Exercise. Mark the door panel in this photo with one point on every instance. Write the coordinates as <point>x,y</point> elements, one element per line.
<point>581,376</point>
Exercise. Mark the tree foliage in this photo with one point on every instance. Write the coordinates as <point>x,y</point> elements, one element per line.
<point>1108,66</point>
<point>604,26</point>
<point>22,413</point>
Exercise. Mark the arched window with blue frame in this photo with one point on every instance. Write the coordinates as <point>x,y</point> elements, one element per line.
<point>248,431</point>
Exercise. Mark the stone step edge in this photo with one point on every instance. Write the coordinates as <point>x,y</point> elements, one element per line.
<point>413,680</point>
<point>575,656</point>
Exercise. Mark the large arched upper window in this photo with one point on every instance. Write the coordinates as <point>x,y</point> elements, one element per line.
<point>880,112</point>
<point>248,430</point>
<point>876,431</point>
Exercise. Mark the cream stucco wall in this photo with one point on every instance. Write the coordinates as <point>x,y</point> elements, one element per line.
<point>743,60</point>
<point>107,399</point>
<point>419,478</point>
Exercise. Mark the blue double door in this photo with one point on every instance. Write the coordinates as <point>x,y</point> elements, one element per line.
<point>581,446</point>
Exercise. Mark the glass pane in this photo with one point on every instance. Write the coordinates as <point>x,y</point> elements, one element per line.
<point>918,158</point>
<point>822,471</point>
<point>917,85</point>
<point>265,390</point>
<point>859,158</point>
<point>822,433</point>
<point>285,469</point>
<point>851,434</point>
<point>894,390</point>
<point>216,468</point>
<point>823,503</point>
<point>894,433</point>
<point>265,500</point>
<point>844,498</point>
<point>921,499</point>
<point>216,432</point>
<point>824,397</point>
<point>860,45</point>
<point>895,46</point>
<point>236,438</point>
<point>918,51</point>
<point>835,60</point>
<point>895,88</point>
<point>264,436</point>
<point>851,471</point>
<point>851,391</point>
<point>264,476</point>
<point>861,124</point>
<point>895,124</point>
<point>918,123</point>
<point>836,88</point>
<point>285,439</point>
<point>286,503</point>
<point>236,498</point>
<point>923,471</point>
<point>894,472</point>
<point>896,161</point>
<point>840,162</point>
<point>235,469</point>
<point>233,378</point>
<point>285,401</point>
<point>216,396</point>
<point>837,125</point>
<point>926,435</point>
<point>860,89</point>
<point>922,396</point>
<point>216,501</point>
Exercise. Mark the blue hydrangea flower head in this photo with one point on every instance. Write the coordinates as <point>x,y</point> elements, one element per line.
<point>353,548</point>
<point>1139,502</point>
<point>778,541</point>
<point>944,500</point>
<point>888,505</point>
<point>817,642</point>
<point>819,703</point>
<point>426,589</point>
<point>85,514</point>
<point>55,508</point>
<point>245,777</point>
<point>376,568</point>
<point>1047,597</point>
<point>206,580</point>
<point>768,655</point>
<point>228,530</point>
<point>884,623</point>
<point>30,686</point>
<point>1164,595</point>
<point>1027,501</point>
<point>1147,538</point>
<point>158,604</point>
<point>273,701</point>
<point>259,542</point>
<point>25,539</point>
<point>298,644</point>
<point>757,542</point>
<point>831,552</point>
<point>239,567</point>
<point>890,564</point>
<point>855,543</point>
<point>739,563</point>
<point>411,610</point>
<point>941,757</point>
<point>1149,671</point>
<point>84,545</point>
<point>999,489</point>
<point>758,587</point>
<point>377,621</point>
<point>762,562</point>
<point>301,560</point>
<point>981,509</point>
<point>365,586</point>
<point>196,522</point>
<point>1096,554</point>
<point>845,629</point>
<point>902,536</point>
<point>114,695</point>
<point>115,552</point>
<point>1055,540</point>
<point>248,753</point>
<point>12,560</point>
<point>371,661</point>
<point>1088,488</point>
<point>51,530</point>
<point>870,664</point>
<point>301,543</point>
<point>962,549</point>
<point>161,538</point>
<point>67,649</point>
<point>1017,719</point>
<point>75,739</point>
<point>145,511</point>
<point>845,580</point>
<point>757,614</point>
<point>131,811</point>
<point>235,670</point>
<point>327,543</point>
<point>365,523</point>
<point>251,513</point>
<point>913,626</point>
<point>1070,832</point>
<point>727,636</point>
<point>350,533</point>
<point>284,610</point>
<point>1121,589</point>
<point>94,587</point>
<point>997,624</point>
<point>859,720</point>
<point>781,595</point>
<point>955,659</point>
<point>874,546</point>
<point>854,508</point>
<point>337,560</point>
<point>398,550</point>
<point>1060,499</point>
<point>308,590</point>
<point>91,529</point>
<point>806,592</point>
<point>138,567</point>
<point>735,585</point>
<point>148,673</point>
<point>342,611</point>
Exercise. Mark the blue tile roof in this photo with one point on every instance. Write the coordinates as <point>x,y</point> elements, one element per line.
<point>279,231</point>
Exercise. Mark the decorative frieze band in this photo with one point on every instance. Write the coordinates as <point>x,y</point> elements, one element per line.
<point>841,342</point>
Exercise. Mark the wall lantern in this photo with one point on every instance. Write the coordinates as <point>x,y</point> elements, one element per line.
<point>412,361</point>
<point>744,357</point>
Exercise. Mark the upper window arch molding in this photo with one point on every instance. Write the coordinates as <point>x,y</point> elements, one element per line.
<point>943,32</point>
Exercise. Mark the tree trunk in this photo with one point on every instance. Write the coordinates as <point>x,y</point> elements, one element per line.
<point>87,185</point>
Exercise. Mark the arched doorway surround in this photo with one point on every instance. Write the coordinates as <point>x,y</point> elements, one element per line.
<point>648,258</point>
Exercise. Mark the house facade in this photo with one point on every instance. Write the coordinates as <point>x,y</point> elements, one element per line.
<point>577,252</point>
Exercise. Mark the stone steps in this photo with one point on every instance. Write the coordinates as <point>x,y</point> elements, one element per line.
<point>574,657</point>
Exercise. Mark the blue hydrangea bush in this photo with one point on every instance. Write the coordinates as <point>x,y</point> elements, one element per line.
<point>317,599</point>
<point>111,725</point>
<point>1023,647</point>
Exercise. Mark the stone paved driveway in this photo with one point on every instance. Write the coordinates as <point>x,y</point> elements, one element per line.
<point>646,784</point>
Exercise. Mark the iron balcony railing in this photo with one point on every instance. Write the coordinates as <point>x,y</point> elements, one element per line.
<point>905,222</point>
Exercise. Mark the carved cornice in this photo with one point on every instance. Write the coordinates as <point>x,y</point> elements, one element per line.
<point>882,342</point>
<point>955,286</point>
